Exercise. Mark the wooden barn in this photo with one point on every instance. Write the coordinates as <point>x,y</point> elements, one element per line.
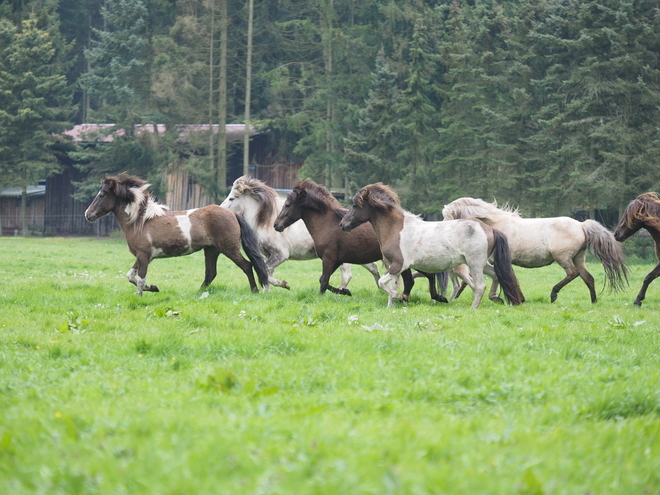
<point>62,215</point>
<point>10,210</point>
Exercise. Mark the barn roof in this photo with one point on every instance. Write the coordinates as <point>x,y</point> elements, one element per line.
<point>15,192</point>
<point>102,132</point>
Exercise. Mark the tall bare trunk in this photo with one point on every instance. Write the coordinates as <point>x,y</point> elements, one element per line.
<point>211,8</point>
<point>248,91</point>
<point>221,177</point>
<point>23,213</point>
<point>326,34</point>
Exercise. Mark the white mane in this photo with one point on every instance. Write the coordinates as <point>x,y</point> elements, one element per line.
<point>475,208</point>
<point>144,207</point>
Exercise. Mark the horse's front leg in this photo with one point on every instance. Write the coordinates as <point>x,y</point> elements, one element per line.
<point>373,269</point>
<point>138,275</point>
<point>211,266</point>
<point>655,273</point>
<point>329,267</point>
<point>275,259</point>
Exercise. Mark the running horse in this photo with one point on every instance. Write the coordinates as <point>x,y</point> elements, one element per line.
<point>407,241</point>
<point>152,231</point>
<point>642,212</point>
<point>259,204</point>
<point>321,214</point>
<point>537,242</point>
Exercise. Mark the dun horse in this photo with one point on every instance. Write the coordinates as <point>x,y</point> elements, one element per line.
<point>536,242</point>
<point>152,231</point>
<point>407,241</point>
<point>259,204</point>
<point>321,213</point>
<point>642,212</point>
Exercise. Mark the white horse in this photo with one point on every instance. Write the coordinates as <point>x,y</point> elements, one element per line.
<point>260,204</point>
<point>536,242</point>
<point>407,241</point>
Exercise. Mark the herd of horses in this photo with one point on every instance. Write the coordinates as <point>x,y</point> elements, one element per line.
<point>475,238</point>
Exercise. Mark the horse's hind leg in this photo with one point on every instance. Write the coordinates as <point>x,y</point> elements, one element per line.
<point>433,288</point>
<point>346,275</point>
<point>585,275</point>
<point>373,269</point>
<point>571,274</point>
<point>492,295</point>
<point>655,273</point>
<point>236,256</point>
<point>211,266</point>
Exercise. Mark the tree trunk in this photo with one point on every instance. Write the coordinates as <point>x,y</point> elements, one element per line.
<point>221,177</point>
<point>211,8</point>
<point>248,91</point>
<point>326,33</point>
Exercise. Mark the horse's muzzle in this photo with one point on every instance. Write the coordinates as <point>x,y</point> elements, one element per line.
<point>278,227</point>
<point>345,227</point>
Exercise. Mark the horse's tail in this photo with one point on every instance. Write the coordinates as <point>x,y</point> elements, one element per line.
<point>504,270</point>
<point>608,251</point>
<point>251,247</point>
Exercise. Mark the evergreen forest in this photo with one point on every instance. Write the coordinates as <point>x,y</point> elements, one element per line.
<point>549,105</point>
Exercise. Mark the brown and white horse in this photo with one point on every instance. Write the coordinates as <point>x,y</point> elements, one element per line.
<point>643,212</point>
<point>407,241</point>
<point>152,231</point>
<point>321,213</point>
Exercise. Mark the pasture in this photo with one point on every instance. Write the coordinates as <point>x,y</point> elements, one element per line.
<point>229,392</point>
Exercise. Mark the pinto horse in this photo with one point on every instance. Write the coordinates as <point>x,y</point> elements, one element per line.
<point>152,231</point>
<point>407,241</point>
<point>642,212</point>
<point>259,204</point>
<point>536,242</point>
<point>321,214</point>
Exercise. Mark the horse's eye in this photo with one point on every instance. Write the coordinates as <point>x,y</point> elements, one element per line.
<point>102,194</point>
<point>287,204</point>
<point>231,199</point>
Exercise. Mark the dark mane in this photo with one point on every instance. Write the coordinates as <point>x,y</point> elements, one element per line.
<point>141,203</point>
<point>377,196</point>
<point>264,194</point>
<point>309,194</point>
<point>644,208</point>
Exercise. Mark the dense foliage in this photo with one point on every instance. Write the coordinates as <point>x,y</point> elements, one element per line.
<point>547,104</point>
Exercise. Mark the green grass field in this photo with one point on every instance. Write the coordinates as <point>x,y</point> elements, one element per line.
<point>290,392</point>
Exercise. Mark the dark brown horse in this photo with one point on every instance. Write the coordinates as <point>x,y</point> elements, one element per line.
<point>152,231</point>
<point>321,213</point>
<point>642,212</point>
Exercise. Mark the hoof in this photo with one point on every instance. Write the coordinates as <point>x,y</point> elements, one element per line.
<point>497,299</point>
<point>151,288</point>
<point>345,292</point>
<point>637,303</point>
<point>285,285</point>
<point>403,298</point>
<point>441,299</point>
<point>553,297</point>
<point>254,289</point>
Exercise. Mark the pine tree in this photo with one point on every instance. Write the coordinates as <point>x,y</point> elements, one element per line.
<point>35,100</point>
<point>371,151</point>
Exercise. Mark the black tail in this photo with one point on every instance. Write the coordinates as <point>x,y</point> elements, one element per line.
<point>504,270</point>
<point>251,248</point>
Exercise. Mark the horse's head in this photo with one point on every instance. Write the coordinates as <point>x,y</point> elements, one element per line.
<point>376,197</point>
<point>252,198</point>
<point>643,211</point>
<point>104,202</point>
<point>291,210</point>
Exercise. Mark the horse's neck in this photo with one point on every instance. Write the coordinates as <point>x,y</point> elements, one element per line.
<point>317,222</point>
<point>388,224</point>
<point>124,221</point>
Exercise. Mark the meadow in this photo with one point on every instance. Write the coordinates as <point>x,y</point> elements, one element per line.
<point>291,392</point>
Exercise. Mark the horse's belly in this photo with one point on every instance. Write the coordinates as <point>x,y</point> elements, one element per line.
<point>531,259</point>
<point>435,262</point>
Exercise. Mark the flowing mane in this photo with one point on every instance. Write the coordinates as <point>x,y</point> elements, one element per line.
<point>644,208</point>
<point>141,205</point>
<point>475,208</point>
<point>378,196</point>
<point>265,196</point>
<point>311,195</point>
